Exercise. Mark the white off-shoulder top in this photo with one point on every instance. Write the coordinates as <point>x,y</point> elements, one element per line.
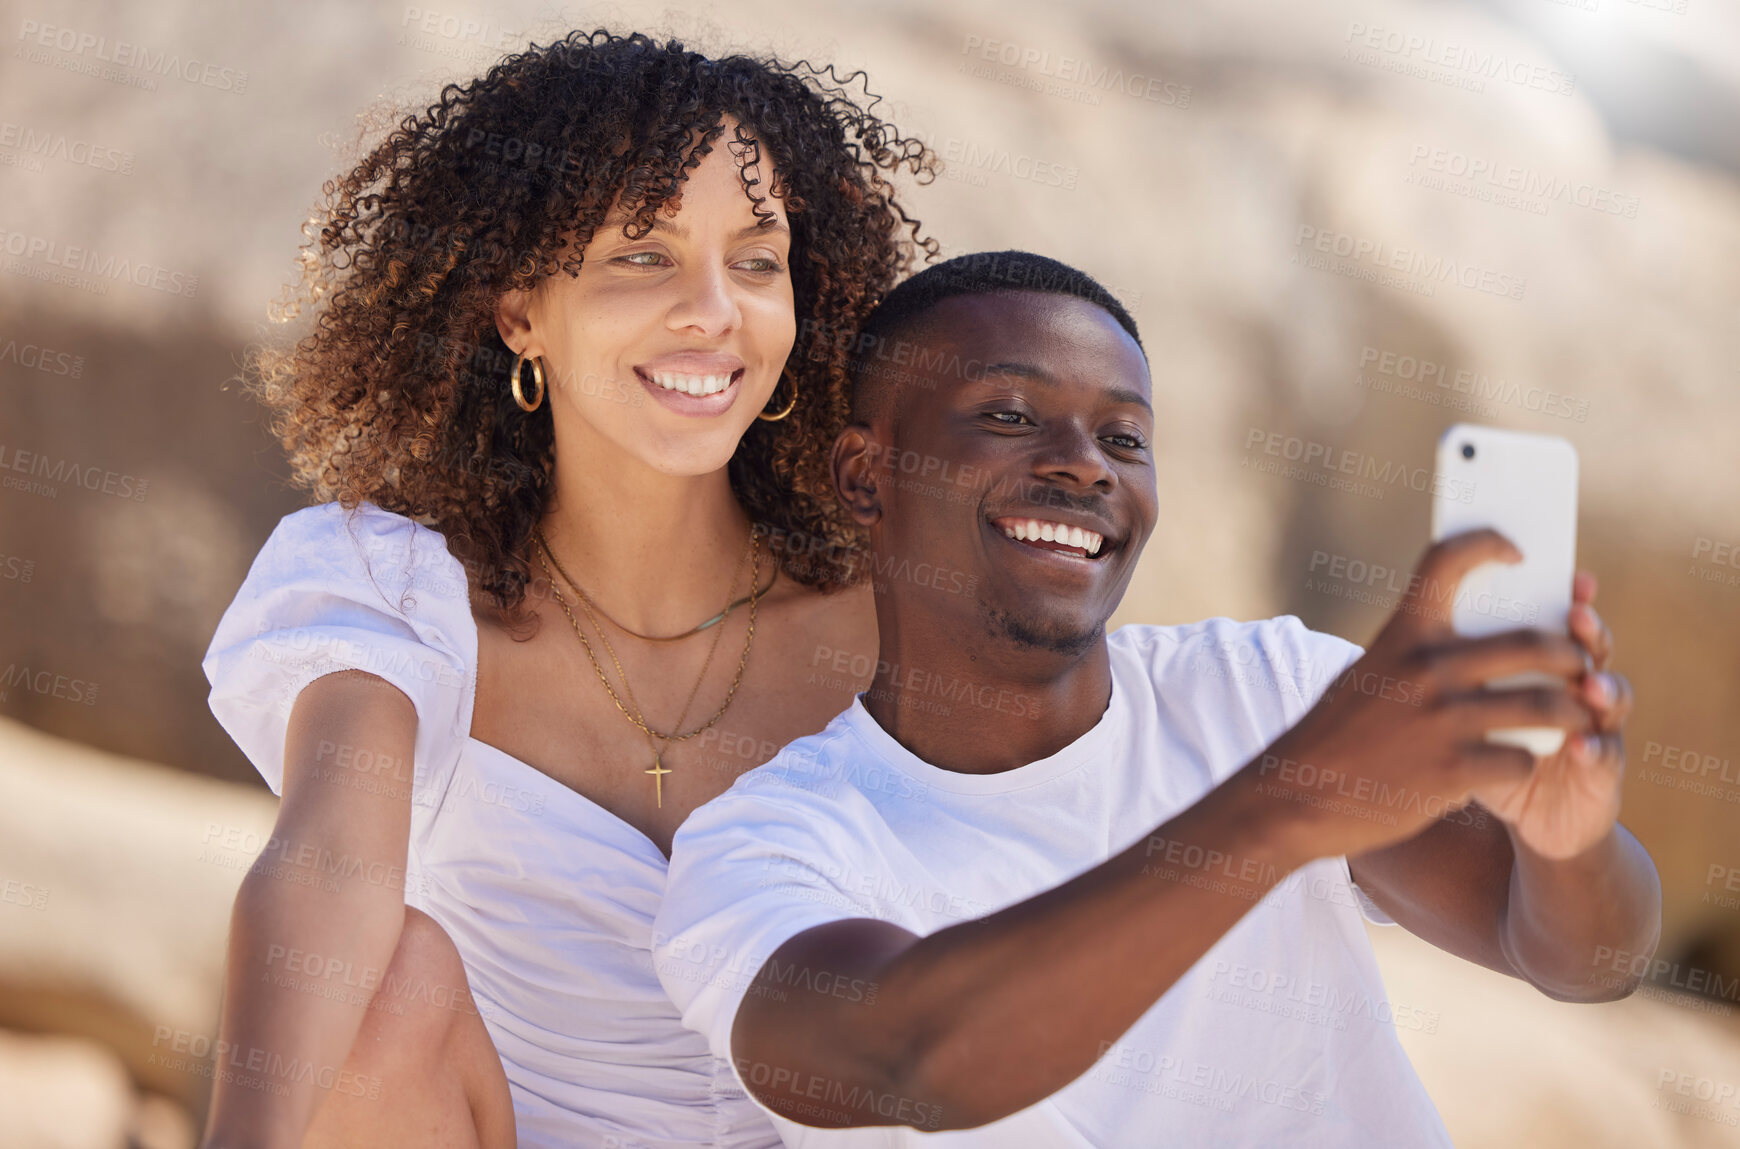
<point>549,897</point>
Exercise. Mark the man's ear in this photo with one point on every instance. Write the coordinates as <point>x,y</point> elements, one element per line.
<point>513,322</point>
<point>856,453</point>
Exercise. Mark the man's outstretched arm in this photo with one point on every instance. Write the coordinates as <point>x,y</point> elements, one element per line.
<point>982,1019</point>
<point>1544,884</point>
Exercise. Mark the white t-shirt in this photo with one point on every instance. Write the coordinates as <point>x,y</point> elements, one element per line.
<point>1280,1035</point>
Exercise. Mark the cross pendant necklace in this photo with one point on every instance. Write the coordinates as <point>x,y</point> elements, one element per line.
<point>653,738</point>
<point>658,772</point>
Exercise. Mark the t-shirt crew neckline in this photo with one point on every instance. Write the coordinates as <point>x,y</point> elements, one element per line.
<point>1090,747</point>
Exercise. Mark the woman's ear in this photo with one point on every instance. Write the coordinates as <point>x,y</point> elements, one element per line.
<point>513,322</point>
<point>854,460</point>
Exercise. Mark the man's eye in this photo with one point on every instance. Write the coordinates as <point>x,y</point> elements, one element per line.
<point>1128,442</point>
<point>1012,418</point>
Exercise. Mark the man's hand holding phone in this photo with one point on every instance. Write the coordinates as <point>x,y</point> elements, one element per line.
<point>1371,767</point>
<point>1570,798</point>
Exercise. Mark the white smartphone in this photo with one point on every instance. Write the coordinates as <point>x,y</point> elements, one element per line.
<point>1525,487</point>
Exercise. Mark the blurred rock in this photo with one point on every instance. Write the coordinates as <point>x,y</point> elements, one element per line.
<point>62,1093</point>
<point>159,1123</point>
<point>118,877</point>
<point>1509,1067</point>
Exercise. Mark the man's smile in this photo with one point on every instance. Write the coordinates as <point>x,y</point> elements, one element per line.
<point>1051,535</point>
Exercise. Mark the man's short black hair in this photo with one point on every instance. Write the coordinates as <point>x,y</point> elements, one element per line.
<point>878,367</point>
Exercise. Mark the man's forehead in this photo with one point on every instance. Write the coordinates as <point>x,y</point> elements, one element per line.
<point>1018,314</point>
<point>1050,332</point>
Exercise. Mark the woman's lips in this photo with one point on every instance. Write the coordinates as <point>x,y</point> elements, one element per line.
<point>697,383</point>
<point>695,393</point>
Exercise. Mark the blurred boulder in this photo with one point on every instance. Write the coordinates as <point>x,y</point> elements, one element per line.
<point>116,882</point>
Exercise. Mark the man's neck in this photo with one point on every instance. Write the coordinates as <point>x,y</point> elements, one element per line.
<point>1007,703</point>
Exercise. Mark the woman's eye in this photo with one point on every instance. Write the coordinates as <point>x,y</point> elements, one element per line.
<point>641,258</point>
<point>762,264</point>
<point>1010,418</point>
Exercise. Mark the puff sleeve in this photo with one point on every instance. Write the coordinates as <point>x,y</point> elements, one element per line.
<point>336,589</point>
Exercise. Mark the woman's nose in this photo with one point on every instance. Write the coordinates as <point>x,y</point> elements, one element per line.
<point>705,302</point>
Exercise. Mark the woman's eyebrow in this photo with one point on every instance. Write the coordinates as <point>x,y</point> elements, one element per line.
<point>660,223</point>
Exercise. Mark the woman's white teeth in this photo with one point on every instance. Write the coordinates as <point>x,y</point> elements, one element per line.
<point>691,384</point>
<point>1027,530</point>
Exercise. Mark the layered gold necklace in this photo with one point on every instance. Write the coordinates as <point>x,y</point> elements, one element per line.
<point>659,741</point>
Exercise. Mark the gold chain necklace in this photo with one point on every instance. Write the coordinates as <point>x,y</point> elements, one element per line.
<point>594,608</point>
<point>657,740</point>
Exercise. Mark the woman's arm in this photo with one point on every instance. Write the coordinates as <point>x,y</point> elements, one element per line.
<point>318,916</point>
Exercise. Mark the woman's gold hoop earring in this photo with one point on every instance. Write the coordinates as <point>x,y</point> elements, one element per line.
<point>789,407</point>
<point>537,382</point>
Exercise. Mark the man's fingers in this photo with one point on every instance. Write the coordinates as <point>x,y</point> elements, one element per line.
<point>1588,629</point>
<point>1610,752</point>
<point>1433,589</point>
<point>1466,662</point>
<point>1490,766</point>
<point>1482,710</point>
<point>1610,698</point>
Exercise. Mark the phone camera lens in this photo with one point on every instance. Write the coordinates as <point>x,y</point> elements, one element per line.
<point>1468,450</point>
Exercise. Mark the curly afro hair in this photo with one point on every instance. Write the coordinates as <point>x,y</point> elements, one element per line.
<point>398,394</point>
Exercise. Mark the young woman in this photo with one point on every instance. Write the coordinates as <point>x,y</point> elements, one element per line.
<point>578,354</point>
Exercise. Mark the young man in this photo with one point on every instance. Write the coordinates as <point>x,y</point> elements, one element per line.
<point>1075,889</point>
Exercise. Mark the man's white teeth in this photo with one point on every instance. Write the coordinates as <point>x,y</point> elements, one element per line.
<point>691,384</point>
<point>1027,530</point>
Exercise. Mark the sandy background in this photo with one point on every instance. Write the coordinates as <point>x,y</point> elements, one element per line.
<point>1601,222</point>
